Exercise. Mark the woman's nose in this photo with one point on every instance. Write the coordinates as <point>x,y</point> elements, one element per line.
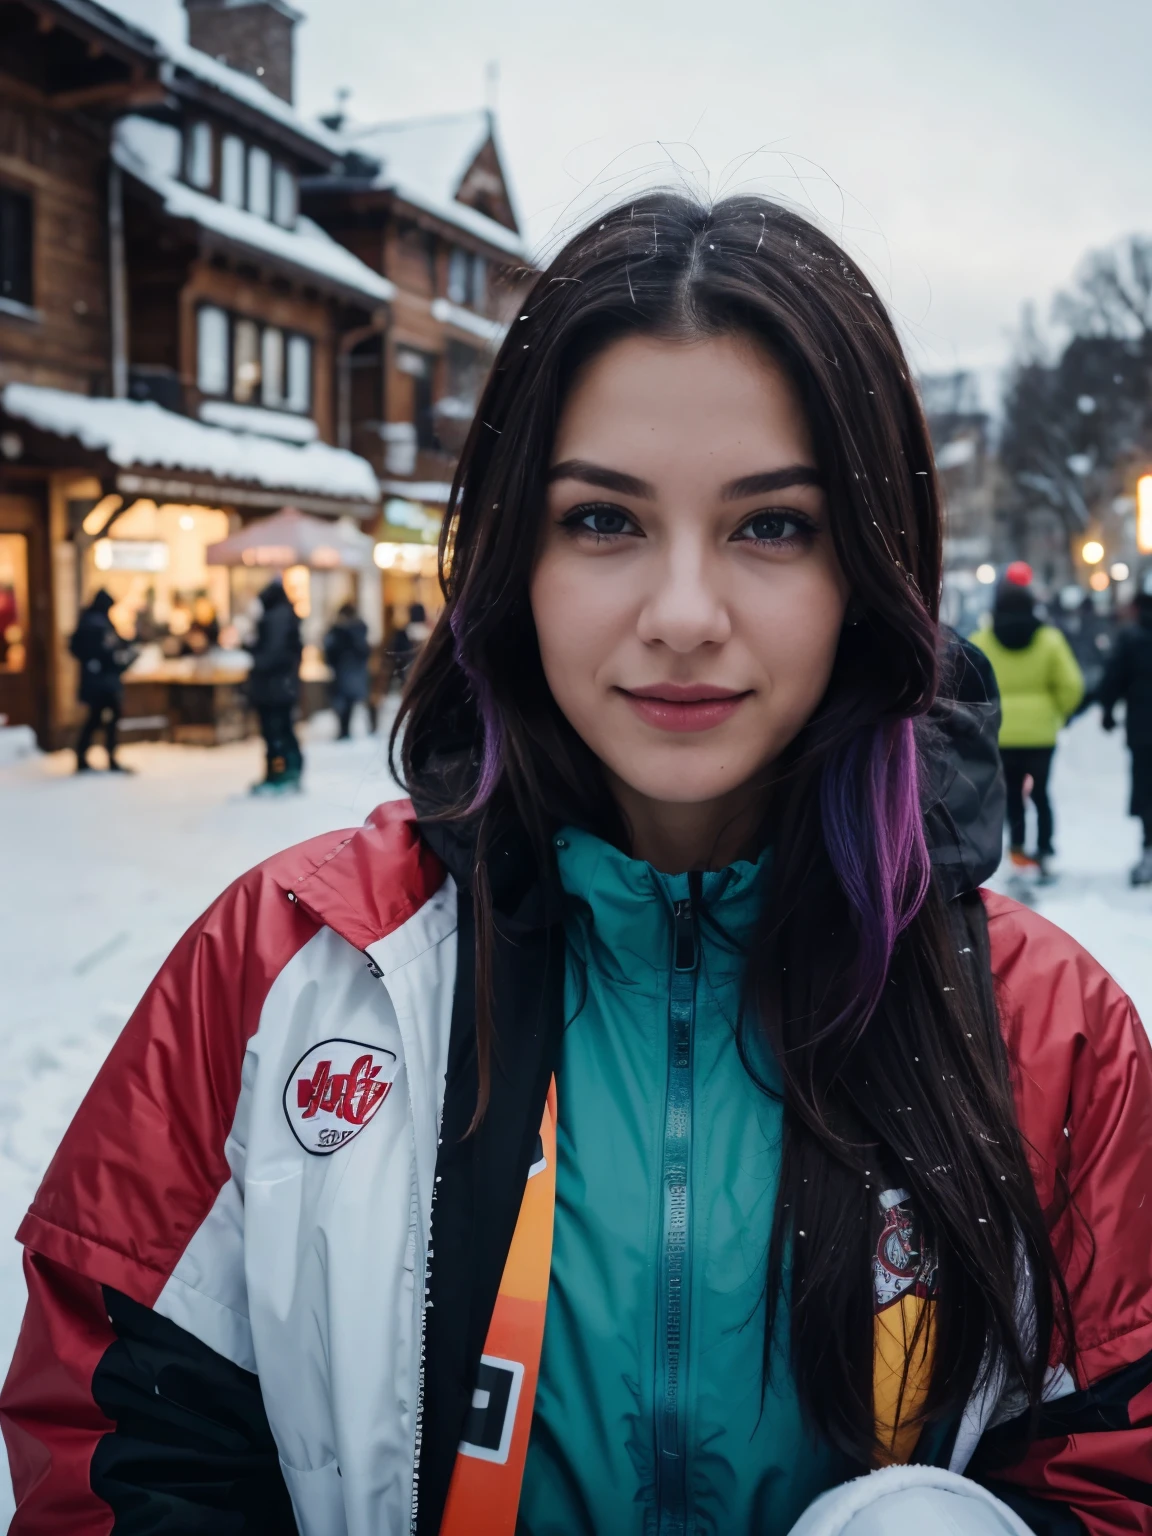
<point>685,606</point>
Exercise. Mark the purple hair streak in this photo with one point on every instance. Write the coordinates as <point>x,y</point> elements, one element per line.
<point>874,833</point>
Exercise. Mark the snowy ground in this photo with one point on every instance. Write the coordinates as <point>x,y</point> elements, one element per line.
<point>101,875</point>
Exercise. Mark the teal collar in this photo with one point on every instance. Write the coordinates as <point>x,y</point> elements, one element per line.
<point>620,910</point>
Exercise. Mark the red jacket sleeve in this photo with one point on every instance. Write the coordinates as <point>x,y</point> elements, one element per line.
<point>1083,1083</point>
<point>51,1421</point>
<point>133,1178</point>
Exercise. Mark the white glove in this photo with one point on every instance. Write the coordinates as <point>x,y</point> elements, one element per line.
<point>897,1500</point>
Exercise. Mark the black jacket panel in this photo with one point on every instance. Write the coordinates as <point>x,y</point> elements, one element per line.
<point>191,1452</point>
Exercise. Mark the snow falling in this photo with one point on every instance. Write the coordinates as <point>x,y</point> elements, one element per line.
<point>103,874</point>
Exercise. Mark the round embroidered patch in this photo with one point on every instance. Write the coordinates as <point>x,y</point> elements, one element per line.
<point>333,1092</point>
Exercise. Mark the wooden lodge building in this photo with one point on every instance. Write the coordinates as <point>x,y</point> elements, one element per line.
<point>210,309</point>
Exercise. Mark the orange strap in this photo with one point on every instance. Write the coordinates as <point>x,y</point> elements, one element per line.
<point>484,1495</point>
<point>485,1491</point>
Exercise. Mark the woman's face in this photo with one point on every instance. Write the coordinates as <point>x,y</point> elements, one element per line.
<point>686,593</point>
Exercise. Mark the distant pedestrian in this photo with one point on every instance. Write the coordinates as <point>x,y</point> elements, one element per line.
<point>104,657</point>
<point>346,650</point>
<point>274,688</point>
<point>1040,685</point>
<point>1128,676</point>
<point>406,642</point>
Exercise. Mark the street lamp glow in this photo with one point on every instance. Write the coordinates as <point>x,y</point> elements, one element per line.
<point>1144,514</point>
<point>1093,552</point>
<point>1119,571</point>
<point>986,574</point>
<point>1098,581</point>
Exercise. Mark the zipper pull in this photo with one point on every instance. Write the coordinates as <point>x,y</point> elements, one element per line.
<point>684,949</point>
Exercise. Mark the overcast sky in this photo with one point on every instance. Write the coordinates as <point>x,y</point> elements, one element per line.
<point>968,154</point>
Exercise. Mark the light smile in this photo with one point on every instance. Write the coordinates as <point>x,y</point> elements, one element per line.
<point>683,707</point>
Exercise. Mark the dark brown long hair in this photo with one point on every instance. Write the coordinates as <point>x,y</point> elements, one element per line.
<point>859,980</point>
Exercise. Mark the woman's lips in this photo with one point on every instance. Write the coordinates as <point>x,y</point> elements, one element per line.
<point>684,707</point>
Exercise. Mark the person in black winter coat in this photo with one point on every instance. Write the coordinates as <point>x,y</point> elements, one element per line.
<point>346,650</point>
<point>103,658</point>
<point>1128,676</point>
<point>274,687</point>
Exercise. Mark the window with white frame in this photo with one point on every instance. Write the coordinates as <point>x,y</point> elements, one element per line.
<point>232,158</point>
<point>458,275</point>
<point>467,278</point>
<point>284,197</point>
<point>259,182</point>
<point>212,350</point>
<point>272,367</point>
<point>198,168</point>
<point>242,360</point>
<point>299,394</point>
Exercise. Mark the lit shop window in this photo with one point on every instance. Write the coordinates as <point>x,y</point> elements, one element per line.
<point>259,182</point>
<point>232,159</point>
<point>13,602</point>
<point>198,156</point>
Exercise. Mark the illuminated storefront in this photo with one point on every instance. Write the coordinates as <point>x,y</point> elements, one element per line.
<point>406,554</point>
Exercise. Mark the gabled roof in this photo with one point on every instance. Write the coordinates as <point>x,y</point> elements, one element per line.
<point>149,151</point>
<point>425,161</point>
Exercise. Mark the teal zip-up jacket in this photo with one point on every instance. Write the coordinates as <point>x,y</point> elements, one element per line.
<point>649,1419</point>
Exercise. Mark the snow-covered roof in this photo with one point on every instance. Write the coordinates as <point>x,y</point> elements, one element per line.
<point>139,432</point>
<point>150,151</point>
<point>165,22</point>
<point>244,88</point>
<point>425,160</point>
<point>491,331</point>
<point>438,492</point>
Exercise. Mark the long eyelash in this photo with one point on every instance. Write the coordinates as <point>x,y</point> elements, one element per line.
<point>806,527</point>
<point>576,516</point>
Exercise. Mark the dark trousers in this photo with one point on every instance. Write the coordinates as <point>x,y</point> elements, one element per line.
<point>1019,762</point>
<point>1141,801</point>
<point>344,707</point>
<point>284,755</point>
<point>108,715</point>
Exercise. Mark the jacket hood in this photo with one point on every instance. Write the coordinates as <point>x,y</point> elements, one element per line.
<point>1014,620</point>
<point>962,789</point>
<point>273,595</point>
<point>103,602</point>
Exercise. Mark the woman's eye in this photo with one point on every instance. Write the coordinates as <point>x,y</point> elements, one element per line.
<point>775,528</point>
<point>605,522</point>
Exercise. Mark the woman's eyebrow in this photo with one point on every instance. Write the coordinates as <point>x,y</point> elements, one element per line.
<point>599,475</point>
<point>771,480</point>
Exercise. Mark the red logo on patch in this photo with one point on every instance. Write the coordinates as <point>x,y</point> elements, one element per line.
<point>334,1091</point>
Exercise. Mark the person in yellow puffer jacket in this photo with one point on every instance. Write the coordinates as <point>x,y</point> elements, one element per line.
<point>1040,686</point>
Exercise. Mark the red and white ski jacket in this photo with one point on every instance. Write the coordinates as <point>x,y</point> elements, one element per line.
<point>239,1215</point>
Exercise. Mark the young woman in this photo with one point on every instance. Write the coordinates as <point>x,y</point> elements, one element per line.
<point>647,1129</point>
